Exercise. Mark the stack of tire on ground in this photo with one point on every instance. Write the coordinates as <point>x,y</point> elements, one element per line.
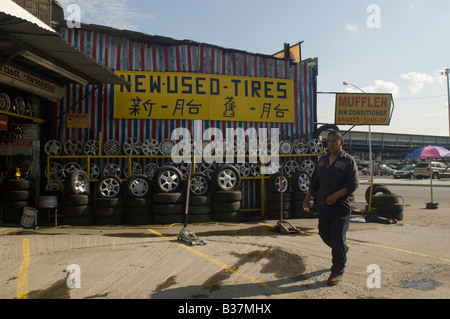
<point>16,194</point>
<point>75,201</point>
<point>278,187</point>
<point>108,202</point>
<point>384,203</point>
<point>226,195</point>
<point>199,210</point>
<point>137,205</point>
<point>300,184</point>
<point>168,201</point>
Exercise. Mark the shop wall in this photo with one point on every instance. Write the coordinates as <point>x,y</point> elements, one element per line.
<point>121,53</point>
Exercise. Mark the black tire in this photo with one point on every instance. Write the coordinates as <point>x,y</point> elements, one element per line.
<point>167,209</point>
<point>276,214</point>
<point>275,183</point>
<point>325,127</point>
<point>138,219</point>
<point>17,184</point>
<point>14,217</point>
<point>225,207</point>
<point>78,220</point>
<point>390,212</point>
<point>226,177</point>
<point>167,219</point>
<point>376,188</point>
<point>75,200</point>
<point>108,211</point>
<point>226,196</point>
<point>109,186</point>
<point>200,185</point>
<point>138,186</point>
<point>298,204</point>
<point>300,181</point>
<point>137,211</point>
<point>276,197</point>
<point>199,210</point>
<point>108,220</point>
<point>385,199</point>
<point>168,198</point>
<point>108,202</point>
<point>227,217</point>
<point>74,211</point>
<point>132,202</point>
<point>299,196</point>
<point>390,209</point>
<point>15,206</point>
<point>277,205</point>
<point>18,195</point>
<point>200,200</point>
<point>201,218</point>
<point>163,184</point>
<point>300,213</point>
<point>77,182</point>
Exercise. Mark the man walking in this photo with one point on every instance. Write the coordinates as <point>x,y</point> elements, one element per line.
<point>335,178</point>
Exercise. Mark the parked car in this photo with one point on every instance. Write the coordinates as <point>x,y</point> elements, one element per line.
<point>438,170</point>
<point>382,169</point>
<point>406,171</point>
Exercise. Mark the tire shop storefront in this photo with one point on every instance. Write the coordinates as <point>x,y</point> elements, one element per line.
<point>107,150</point>
<point>35,66</point>
<point>182,92</point>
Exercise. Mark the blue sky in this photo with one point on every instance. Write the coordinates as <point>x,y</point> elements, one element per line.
<point>396,46</point>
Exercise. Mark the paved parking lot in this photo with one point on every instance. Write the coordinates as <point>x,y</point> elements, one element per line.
<point>409,259</point>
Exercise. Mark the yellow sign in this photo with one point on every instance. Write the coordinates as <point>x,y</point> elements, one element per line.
<point>194,96</point>
<point>363,109</point>
<point>77,120</point>
<point>294,52</point>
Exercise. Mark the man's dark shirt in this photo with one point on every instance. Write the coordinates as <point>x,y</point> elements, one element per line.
<point>329,178</point>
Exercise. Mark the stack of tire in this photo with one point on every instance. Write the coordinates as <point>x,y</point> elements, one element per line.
<point>300,183</point>
<point>16,194</point>
<point>226,195</point>
<point>108,202</point>
<point>168,202</point>
<point>137,205</point>
<point>199,210</point>
<point>384,203</point>
<point>75,201</point>
<point>278,188</point>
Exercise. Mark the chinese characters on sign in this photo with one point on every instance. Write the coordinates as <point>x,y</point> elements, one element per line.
<point>174,95</point>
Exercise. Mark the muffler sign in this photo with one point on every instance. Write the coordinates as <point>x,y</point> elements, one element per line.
<point>363,109</point>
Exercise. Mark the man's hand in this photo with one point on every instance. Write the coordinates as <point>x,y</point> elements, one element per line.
<point>331,200</point>
<point>306,202</point>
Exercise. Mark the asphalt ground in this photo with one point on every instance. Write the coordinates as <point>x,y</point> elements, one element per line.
<point>247,261</point>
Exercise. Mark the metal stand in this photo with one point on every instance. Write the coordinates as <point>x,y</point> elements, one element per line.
<point>185,234</point>
<point>282,226</point>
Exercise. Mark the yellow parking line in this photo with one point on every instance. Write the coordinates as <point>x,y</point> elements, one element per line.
<point>401,250</point>
<point>22,276</point>
<point>250,278</point>
<point>379,246</point>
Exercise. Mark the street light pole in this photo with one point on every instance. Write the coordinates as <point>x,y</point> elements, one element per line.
<point>447,72</point>
<point>370,134</point>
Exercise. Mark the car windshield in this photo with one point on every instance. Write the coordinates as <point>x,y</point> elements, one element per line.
<point>406,168</point>
<point>422,165</point>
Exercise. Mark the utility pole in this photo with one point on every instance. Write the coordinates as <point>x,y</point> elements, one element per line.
<point>447,72</point>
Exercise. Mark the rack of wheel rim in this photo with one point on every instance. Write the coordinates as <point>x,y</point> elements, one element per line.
<point>152,149</point>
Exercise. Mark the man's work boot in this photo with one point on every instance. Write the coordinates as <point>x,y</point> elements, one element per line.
<point>334,279</point>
